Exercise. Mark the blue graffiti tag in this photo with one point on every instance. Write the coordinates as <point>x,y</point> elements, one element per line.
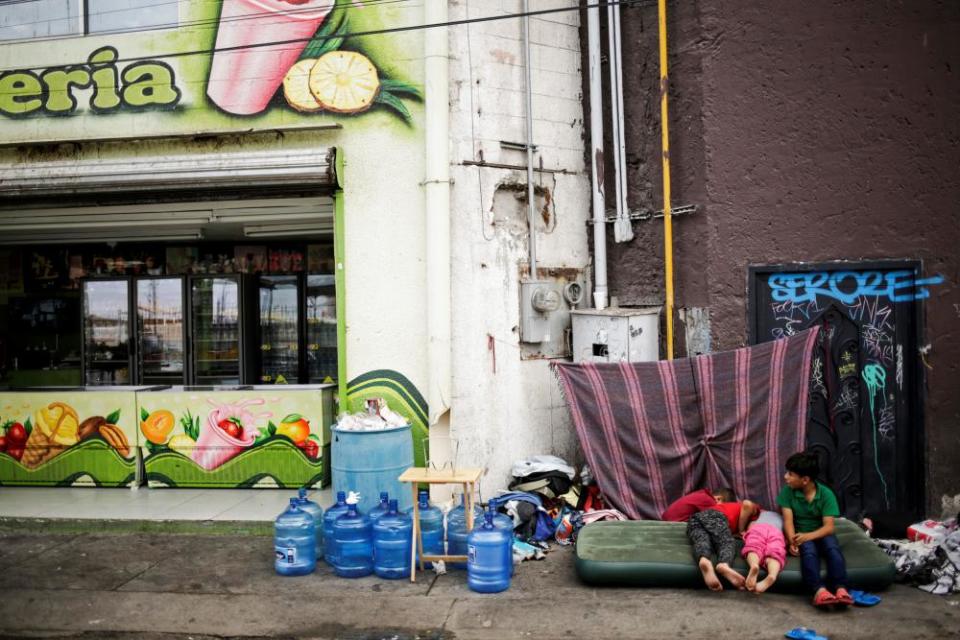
<point>847,286</point>
<point>875,377</point>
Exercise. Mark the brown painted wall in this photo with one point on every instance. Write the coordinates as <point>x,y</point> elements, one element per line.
<point>806,132</point>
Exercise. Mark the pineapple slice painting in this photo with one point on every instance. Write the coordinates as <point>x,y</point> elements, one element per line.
<point>301,46</point>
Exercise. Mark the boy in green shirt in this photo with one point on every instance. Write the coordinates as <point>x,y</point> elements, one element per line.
<point>809,508</point>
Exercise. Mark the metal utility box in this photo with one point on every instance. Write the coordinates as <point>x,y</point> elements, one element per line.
<point>616,335</point>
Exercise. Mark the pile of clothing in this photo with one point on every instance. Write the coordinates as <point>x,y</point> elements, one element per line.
<point>549,503</point>
<point>931,560</point>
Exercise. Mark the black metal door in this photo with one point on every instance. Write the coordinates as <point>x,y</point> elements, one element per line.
<point>864,423</point>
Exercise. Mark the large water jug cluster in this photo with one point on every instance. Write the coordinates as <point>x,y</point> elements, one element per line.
<point>357,544</point>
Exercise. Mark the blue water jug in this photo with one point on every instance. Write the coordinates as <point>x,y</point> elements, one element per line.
<point>457,530</point>
<point>294,541</point>
<point>316,511</point>
<point>505,523</point>
<point>391,544</point>
<point>488,570</point>
<point>329,518</point>
<point>431,525</point>
<point>353,537</point>
<point>381,509</point>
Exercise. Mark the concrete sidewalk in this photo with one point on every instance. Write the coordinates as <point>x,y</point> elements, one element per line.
<point>163,585</point>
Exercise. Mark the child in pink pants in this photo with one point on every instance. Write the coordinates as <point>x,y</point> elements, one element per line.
<point>763,543</point>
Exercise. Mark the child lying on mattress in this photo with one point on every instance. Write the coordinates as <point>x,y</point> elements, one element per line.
<point>712,531</point>
<point>764,545</point>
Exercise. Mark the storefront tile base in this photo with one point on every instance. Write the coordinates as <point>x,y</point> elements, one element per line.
<point>254,505</point>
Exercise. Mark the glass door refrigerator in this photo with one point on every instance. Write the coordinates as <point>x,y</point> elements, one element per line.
<point>216,330</point>
<point>107,353</point>
<point>321,327</point>
<point>279,329</point>
<point>161,330</point>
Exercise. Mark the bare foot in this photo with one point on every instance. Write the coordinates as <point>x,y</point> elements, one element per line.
<point>709,576</point>
<point>732,576</point>
<point>765,584</point>
<point>751,582</point>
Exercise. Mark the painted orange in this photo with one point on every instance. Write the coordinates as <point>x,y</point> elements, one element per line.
<point>298,431</point>
<point>157,426</point>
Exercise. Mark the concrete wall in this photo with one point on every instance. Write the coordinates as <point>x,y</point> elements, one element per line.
<point>505,408</point>
<point>805,132</point>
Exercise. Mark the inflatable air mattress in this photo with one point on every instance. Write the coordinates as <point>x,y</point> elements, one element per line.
<point>649,553</point>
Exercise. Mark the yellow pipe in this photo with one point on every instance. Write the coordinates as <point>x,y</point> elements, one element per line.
<point>665,143</point>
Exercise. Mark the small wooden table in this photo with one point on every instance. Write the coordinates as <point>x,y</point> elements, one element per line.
<point>420,475</point>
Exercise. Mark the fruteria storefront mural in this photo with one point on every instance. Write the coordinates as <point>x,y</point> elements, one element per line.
<point>63,438</point>
<point>226,65</point>
<point>264,437</point>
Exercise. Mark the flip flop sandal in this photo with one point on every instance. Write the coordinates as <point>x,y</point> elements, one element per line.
<point>843,597</point>
<point>864,599</point>
<point>803,633</point>
<point>824,600</point>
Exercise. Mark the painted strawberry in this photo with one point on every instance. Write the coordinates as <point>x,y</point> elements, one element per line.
<point>232,426</point>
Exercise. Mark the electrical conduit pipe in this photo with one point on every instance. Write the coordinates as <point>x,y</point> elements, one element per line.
<point>596,141</point>
<point>437,203</point>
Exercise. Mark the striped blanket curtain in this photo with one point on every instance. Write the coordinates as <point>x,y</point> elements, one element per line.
<point>654,431</point>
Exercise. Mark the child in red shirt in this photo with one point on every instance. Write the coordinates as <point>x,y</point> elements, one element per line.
<point>712,530</point>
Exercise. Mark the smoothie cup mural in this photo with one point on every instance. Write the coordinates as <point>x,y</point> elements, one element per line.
<point>228,431</point>
<point>246,69</point>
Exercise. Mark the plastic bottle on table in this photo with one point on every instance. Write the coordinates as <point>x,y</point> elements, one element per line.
<point>316,511</point>
<point>457,530</point>
<point>487,568</point>
<point>329,518</point>
<point>353,537</point>
<point>295,541</point>
<point>391,544</point>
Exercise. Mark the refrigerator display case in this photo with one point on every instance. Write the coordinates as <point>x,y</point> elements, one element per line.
<point>296,329</point>
<point>321,321</point>
<point>215,329</point>
<point>161,331</point>
<point>107,353</point>
<point>280,329</point>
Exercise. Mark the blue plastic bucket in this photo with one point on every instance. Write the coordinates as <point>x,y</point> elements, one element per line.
<point>369,462</point>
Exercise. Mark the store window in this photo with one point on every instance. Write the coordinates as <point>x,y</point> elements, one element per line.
<point>168,313</point>
<point>29,19</point>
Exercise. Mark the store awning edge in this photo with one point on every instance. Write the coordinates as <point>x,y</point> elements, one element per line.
<point>163,172</point>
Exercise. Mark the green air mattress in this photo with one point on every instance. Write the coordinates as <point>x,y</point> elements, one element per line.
<point>650,553</point>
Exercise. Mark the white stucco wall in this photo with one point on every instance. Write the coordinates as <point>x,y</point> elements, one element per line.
<point>499,416</point>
